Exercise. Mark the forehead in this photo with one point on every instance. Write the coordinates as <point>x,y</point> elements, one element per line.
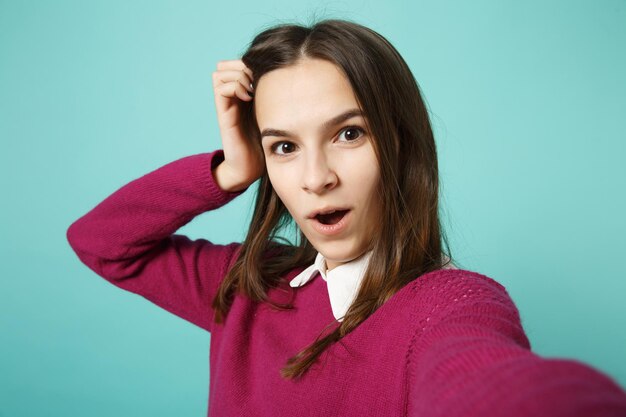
<point>308,92</point>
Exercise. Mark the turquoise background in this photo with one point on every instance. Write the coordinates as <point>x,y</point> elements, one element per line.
<point>528,102</point>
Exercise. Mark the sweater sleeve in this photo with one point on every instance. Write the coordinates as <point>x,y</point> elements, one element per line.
<point>128,238</point>
<point>470,357</point>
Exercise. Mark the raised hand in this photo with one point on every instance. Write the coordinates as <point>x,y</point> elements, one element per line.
<point>243,162</point>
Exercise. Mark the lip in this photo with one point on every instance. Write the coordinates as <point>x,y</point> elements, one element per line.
<point>332,229</point>
<point>327,209</point>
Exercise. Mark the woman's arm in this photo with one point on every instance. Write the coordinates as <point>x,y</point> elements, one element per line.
<point>128,238</point>
<point>470,357</point>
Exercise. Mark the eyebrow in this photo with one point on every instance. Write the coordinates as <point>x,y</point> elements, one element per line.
<point>349,114</point>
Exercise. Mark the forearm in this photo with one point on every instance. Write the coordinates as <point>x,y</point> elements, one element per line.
<point>471,357</point>
<point>145,211</point>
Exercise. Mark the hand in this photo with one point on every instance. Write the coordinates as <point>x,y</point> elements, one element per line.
<point>243,161</point>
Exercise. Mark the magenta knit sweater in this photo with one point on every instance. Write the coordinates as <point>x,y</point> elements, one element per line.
<point>450,343</point>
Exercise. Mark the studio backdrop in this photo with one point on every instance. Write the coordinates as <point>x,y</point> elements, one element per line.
<point>527,100</point>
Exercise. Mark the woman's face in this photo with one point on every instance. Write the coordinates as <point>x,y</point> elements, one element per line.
<point>320,157</point>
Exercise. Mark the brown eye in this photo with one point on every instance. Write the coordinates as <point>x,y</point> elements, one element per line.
<point>352,133</point>
<point>283,148</point>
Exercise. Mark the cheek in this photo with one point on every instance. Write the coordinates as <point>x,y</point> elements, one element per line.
<point>277,179</point>
<point>365,176</point>
<point>368,182</point>
<point>282,188</point>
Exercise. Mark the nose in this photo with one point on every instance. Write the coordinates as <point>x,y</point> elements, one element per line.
<point>318,175</point>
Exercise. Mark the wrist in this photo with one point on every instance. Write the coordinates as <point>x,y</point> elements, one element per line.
<point>226,181</point>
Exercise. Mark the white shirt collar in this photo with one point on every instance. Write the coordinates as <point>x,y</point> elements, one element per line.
<point>343,281</point>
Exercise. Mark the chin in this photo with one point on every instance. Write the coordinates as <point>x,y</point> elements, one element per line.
<point>338,251</point>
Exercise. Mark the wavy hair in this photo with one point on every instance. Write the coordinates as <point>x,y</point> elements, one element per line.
<point>410,239</point>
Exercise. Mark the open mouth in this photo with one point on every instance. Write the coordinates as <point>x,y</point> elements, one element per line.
<point>331,218</point>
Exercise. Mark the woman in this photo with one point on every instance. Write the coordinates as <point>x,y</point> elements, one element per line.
<point>364,314</point>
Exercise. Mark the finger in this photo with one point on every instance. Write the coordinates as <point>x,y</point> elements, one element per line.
<point>231,90</point>
<point>235,86</point>
<point>233,75</point>
<point>230,64</point>
<point>248,71</point>
<point>236,65</point>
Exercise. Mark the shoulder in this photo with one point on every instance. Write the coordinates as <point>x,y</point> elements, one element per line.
<point>442,295</point>
<point>446,287</point>
<point>459,297</point>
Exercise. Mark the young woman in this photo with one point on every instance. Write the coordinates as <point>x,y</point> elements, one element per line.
<point>363,314</point>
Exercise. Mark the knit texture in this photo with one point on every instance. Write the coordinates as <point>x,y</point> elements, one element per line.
<point>450,343</point>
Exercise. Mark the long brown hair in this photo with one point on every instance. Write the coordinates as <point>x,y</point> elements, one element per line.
<point>409,240</point>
